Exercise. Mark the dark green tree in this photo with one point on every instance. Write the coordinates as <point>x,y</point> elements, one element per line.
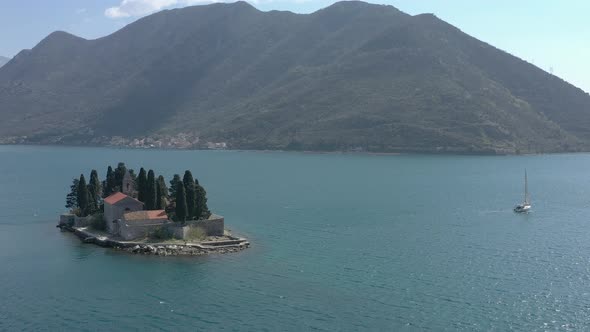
<point>201,208</point>
<point>109,183</point>
<point>151,191</point>
<point>162,192</point>
<point>94,192</point>
<point>83,197</point>
<point>141,185</point>
<point>189,188</point>
<point>181,208</point>
<point>173,185</point>
<point>119,174</point>
<point>72,197</point>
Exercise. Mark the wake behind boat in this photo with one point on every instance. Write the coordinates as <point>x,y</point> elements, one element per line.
<point>526,205</point>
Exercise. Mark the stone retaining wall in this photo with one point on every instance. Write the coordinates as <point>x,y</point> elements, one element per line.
<point>178,231</point>
<point>131,232</point>
<point>214,226</point>
<point>74,221</point>
<point>162,249</point>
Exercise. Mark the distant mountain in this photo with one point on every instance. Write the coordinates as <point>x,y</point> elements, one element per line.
<point>3,60</point>
<point>353,76</point>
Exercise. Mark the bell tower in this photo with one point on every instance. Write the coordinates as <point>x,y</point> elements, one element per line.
<point>128,185</point>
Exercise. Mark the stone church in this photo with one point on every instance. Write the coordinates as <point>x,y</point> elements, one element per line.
<point>125,215</point>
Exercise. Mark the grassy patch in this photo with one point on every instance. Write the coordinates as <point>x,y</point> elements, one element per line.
<point>196,234</point>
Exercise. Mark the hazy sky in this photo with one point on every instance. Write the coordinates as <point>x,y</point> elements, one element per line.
<point>551,34</point>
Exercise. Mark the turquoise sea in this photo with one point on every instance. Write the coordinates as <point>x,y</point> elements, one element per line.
<point>340,242</point>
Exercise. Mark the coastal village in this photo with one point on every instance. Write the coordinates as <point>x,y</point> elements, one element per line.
<point>141,214</point>
<point>180,141</point>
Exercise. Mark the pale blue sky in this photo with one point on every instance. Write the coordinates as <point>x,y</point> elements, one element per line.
<point>548,33</point>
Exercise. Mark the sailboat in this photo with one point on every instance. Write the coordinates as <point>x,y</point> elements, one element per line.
<point>526,205</point>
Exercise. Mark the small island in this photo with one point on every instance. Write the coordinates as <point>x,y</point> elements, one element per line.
<point>141,214</point>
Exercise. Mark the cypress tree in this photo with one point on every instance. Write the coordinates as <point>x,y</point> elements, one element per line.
<point>173,185</point>
<point>109,186</point>
<point>189,187</point>
<point>162,191</point>
<point>119,174</point>
<point>201,209</point>
<point>141,185</point>
<point>83,197</point>
<point>181,209</point>
<point>151,194</point>
<point>94,191</point>
<point>72,197</point>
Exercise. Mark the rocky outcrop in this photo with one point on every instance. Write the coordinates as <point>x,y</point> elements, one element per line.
<point>193,250</point>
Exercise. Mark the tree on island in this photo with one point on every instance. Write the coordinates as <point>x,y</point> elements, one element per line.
<point>201,208</point>
<point>189,188</point>
<point>185,199</point>
<point>72,197</point>
<point>162,193</point>
<point>119,174</point>
<point>181,208</point>
<point>109,183</point>
<point>83,197</point>
<point>173,186</point>
<point>151,194</point>
<point>141,185</point>
<point>94,193</point>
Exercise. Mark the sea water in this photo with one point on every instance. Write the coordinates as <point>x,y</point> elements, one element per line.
<point>339,242</point>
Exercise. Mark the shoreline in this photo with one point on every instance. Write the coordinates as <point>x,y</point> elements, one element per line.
<point>433,152</point>
<point>233,244</point>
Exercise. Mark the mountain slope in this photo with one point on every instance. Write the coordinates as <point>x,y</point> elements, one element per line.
<point>350,76</point>
<point>3,60</point>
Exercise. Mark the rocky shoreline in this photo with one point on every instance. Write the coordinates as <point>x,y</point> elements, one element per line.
<point>229,245</point>
<point>176,250</point>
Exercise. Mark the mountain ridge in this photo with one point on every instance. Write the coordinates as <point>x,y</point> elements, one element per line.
<point>351,76</point>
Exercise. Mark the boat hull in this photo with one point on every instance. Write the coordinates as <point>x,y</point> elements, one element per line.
<point>522,208</point>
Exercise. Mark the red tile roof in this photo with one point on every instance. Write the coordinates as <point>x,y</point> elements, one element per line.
<point>146,215</point>
<point>117,197</point>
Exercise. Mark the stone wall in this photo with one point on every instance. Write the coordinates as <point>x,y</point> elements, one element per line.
<point>214,226</point>
<point>178,231</point>
<point>68,219</point>
<point>110,215</point>
<point>73,220</point>
<point>132,233</point>
<point>137,231</point>
<point>82,221</point>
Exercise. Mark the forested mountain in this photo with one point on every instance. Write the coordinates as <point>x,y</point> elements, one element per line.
<point>353,76</point>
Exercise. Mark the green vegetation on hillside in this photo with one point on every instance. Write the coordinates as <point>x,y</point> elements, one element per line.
<point>353,76</point>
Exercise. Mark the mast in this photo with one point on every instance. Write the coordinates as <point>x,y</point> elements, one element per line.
<point>526,189</point>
